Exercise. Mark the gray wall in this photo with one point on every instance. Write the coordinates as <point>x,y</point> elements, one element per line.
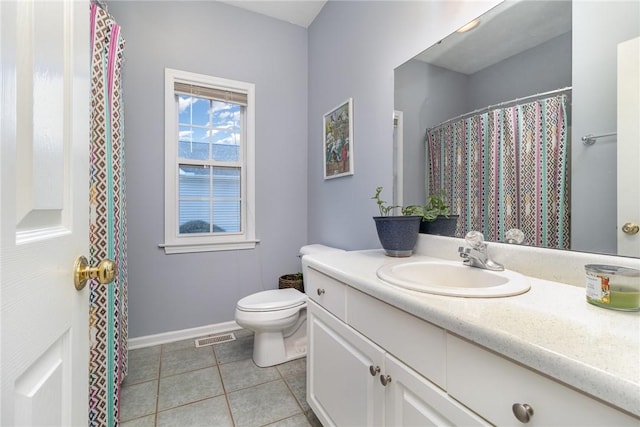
<point>354,47</point>
<point>593,204</point>
<point>174,292</point>
<point>536,70</point>
<point>427,95</point>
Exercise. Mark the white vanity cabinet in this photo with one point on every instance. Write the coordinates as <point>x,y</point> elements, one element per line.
<point>352,381</point>
<point>372,364</point>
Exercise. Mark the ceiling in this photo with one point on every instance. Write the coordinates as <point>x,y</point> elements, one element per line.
<point>507,29</point>
<point>298,12</point>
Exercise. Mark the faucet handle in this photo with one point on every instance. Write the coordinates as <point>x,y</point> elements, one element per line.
<point>514,236</point>
<point>475,239</point>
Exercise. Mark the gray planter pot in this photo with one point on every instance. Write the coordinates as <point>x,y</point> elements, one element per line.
<point>398,234</point>
<point>442,225</point>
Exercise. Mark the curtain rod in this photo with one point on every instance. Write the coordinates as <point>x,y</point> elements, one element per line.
<point>500,104</point>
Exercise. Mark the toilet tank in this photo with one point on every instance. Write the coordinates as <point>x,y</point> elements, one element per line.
<point>317,248</point>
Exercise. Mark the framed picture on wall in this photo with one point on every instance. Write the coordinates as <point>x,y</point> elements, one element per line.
<point>337,141</point>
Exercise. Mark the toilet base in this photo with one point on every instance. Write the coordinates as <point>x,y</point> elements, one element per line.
<point>270,349</point>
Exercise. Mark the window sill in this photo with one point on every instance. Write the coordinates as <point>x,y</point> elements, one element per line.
<point>183,248</point>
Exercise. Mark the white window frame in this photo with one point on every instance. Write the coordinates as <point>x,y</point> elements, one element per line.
<point>174,242</point>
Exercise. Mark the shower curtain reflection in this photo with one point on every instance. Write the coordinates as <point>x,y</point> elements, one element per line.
<point>506,168</point>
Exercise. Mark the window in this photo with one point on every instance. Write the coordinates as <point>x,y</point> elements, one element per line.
<point>209,163</point>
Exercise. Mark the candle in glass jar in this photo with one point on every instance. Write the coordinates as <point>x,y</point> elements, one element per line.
<point>613,287</point>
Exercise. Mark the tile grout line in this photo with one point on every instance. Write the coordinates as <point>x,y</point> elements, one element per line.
<point>255,385</point>
<point>155,414</point>
<point>286,383</point>
<point>286,418</point>
<point>224,389</point>
<point>187,372</point>
<point>305,413</point>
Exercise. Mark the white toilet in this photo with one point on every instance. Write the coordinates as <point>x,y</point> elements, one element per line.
<point>278,319</point>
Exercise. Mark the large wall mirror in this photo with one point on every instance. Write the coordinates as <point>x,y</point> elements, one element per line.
<point>519,55</point>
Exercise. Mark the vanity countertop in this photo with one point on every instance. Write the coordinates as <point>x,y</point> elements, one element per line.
<point>551,328</point>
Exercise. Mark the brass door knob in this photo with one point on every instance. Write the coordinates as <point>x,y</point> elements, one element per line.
<point>104,272</point>
<point>630,228</point>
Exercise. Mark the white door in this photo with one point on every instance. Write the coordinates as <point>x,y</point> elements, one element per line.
<point>44,220</point>
<point>629,147</point>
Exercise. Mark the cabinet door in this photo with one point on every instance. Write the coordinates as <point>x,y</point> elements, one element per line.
<point>411,400</point>
<point>340,388</point>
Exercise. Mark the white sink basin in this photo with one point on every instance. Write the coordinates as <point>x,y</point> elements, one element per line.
<point>453,279</point>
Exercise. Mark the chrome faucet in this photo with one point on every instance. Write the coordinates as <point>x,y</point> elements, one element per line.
<point>476,255</point>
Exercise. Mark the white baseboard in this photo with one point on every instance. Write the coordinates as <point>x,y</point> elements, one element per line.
<point>167,337</point>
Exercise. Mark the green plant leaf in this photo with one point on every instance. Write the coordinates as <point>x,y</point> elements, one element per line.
<point>436,206</point>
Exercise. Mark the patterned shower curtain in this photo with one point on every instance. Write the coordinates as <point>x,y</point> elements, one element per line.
<point>108,227</point>
<point>506,168</point>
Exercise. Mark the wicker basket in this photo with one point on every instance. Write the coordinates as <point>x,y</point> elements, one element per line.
<point>291,281</point>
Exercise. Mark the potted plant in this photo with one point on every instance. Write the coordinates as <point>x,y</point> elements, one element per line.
<point>398,234</point>
<point>291,281</point>
<point>437,217</point>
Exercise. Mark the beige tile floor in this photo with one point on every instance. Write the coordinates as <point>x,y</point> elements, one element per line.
<point>177,384</point>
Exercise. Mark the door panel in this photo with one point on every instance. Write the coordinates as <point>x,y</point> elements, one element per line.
<point>44,383</point>
<point>40,78</point>
<point>628,145</point>
<point>45,217</point>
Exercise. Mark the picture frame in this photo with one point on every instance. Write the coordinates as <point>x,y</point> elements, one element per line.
<point>337,141</point>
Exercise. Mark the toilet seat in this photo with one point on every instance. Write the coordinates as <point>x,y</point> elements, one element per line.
<point>272,300</point>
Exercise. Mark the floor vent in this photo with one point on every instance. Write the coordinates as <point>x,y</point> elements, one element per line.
<point>217,339</point>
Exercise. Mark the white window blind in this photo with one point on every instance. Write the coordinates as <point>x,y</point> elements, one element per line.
<point>211,93</point>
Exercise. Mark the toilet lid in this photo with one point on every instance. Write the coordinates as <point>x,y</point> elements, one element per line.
<point>276,299</point>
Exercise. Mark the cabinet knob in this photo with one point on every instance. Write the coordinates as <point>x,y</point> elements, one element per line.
<point>523,412</point>
<point>320,291</point>
<point>374,370</point>
<point>385,379</point>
